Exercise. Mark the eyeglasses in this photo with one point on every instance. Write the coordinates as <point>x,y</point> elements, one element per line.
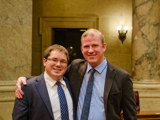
<point>55,61</point>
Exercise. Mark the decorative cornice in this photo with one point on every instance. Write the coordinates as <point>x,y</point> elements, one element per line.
<point>147,89</point>
<point>7,91</point>
<point>146,85</point>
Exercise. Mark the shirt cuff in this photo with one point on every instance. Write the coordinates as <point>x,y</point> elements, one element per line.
<point>25,78</point>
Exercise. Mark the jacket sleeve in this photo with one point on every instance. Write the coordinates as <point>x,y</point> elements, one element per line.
<point>20,110</point>
<point>128,100</point>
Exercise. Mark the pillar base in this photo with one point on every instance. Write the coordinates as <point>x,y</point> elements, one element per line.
<point>149,95</point>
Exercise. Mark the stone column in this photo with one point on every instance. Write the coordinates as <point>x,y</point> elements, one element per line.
<point>146,41</point>
<point>146,51</point>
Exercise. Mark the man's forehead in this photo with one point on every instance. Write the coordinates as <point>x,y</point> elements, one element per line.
<point>95,37</point>
<point>57,54</point>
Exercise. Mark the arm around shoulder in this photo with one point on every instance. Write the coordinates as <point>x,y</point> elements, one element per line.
<point>21,80</point>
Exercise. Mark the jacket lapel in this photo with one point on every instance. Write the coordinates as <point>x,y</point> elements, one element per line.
<point>42,89</point>
<point>108,83</point>
<point>81,71</point>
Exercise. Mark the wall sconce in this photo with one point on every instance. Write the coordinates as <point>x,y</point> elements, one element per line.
<point>122,32</point>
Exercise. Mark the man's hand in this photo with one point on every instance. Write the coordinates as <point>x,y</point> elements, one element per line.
<point>19,93</point>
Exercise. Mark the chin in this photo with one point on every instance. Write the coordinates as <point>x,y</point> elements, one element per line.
<point>56,74</point>
<point>58,77</point>
<point>91,60</point>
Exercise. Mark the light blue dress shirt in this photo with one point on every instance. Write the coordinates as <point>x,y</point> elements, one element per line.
<point>97,111</point>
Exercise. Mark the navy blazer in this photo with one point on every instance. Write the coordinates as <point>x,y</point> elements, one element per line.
<point>35,104</point>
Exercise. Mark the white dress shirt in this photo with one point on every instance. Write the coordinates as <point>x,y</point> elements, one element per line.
<point>54,98</point>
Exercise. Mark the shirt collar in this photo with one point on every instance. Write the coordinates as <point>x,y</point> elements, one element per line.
<point>52,82</point>
<point>99,68</point>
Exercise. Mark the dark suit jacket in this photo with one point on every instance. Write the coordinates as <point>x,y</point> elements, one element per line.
<point>35,104</point>
<point>118,91</point>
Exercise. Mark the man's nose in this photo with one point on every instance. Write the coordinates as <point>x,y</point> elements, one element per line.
<point>90,49</point>
<point>58,63</point>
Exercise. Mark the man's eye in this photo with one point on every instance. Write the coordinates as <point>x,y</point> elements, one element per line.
<point>94,45</point>
<point>55,60</point>
<point>63,61</point>
<point>86,46</point>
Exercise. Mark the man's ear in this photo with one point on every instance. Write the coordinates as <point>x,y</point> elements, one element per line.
<point>44,61</point>
<point>104,46</point>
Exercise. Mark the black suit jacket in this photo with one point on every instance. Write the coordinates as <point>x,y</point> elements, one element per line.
<point>35,104</point>
<point>118,91</point>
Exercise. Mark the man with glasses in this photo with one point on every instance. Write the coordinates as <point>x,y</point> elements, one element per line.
<point>47,96</point>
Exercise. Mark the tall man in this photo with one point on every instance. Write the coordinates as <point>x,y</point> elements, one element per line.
<point>48,96</point>
<point>112,87</point>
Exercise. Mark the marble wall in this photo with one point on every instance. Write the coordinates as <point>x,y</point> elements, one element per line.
<point>15,49</point>
<point>16,38</point>
<point>146,41</point>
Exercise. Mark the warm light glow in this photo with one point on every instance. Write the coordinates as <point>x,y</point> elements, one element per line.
<point>126,28</point>
<point>119,28</point>
<point>82,30</point>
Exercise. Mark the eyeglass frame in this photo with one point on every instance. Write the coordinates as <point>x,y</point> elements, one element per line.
<point>55,60</point>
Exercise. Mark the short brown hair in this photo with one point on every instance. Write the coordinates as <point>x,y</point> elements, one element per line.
<point>55,47</point>
<point>92,32</point>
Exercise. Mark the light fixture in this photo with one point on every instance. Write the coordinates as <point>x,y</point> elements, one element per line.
<point>122,32</point>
